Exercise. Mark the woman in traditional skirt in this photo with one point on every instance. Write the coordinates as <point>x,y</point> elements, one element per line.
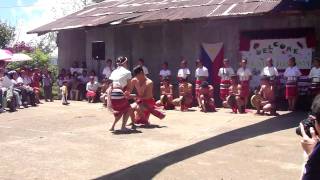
<point>245,75</point>
<point>225,74</point>
<point>202,75</point>
<point>291,75</point>
<point>314,76</point>
<point>119,93</point>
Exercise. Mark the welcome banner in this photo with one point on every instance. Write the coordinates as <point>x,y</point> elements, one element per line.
<point>280,50</point>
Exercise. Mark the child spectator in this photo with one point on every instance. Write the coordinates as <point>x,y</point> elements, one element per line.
<point>64,93</point>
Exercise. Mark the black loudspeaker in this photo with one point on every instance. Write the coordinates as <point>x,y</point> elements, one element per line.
<point>98,50</point>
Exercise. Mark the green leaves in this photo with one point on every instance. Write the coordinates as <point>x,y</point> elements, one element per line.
<point>6,34</point>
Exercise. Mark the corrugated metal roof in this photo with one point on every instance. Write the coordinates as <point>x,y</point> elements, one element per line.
<point>136,11</point>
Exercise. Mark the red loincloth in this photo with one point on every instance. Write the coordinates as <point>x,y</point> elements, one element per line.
<point>119,103</point>
<point>150,108</point>
<point>224,89</point>
<point>245,89</point>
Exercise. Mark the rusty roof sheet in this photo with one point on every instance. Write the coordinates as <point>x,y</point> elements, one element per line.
<point>136,11</point>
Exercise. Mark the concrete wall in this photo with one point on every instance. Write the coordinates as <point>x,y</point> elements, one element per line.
<point>157,43</point>
<point>72,47</point>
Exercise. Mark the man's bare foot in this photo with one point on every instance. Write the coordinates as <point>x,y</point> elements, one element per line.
<point>111,129</point>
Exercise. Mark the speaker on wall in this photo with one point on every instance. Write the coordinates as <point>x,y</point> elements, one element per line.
<point>98,50</point>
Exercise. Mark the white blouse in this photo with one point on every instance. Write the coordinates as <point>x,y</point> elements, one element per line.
<point>244,74</point>
<point>202,72</point>
<point>226,73</point>
<point>184,73</point>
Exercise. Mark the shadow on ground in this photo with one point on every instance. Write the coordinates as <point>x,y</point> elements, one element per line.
<point>148,169</point>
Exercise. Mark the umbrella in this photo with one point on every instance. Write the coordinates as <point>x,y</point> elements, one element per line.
<point>5,54</point>
<point>18,57</point>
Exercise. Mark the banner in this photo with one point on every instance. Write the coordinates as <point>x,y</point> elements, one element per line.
<point>211,56</point>
<point>280,50</point>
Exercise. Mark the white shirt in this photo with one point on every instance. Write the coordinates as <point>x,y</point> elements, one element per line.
<point>315,72</point>
<point>145,70</point>
<point>202,72</point>
<point>165,73</point>
<point>184,73</point>
<point>120,77</point>
<point>92,86</point>
<point>269,71</point>
<point>27,80</point>
<point>292,73</point>
<point>107,71</point>
<point>78,70</point>
<point>226,73</point>
<point>5,83</point>
<point>19,80</point>
<point>244,74</point>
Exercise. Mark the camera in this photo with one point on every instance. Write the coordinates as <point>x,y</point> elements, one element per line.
<point>307,124</point>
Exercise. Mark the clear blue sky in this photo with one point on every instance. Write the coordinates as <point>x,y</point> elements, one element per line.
<point>11,11</point>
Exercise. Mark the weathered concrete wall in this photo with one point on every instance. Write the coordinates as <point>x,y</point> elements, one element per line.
<point>72,47</point>
<point>157,43</point>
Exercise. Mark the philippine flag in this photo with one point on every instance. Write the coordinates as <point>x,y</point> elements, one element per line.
<point>212,56</point>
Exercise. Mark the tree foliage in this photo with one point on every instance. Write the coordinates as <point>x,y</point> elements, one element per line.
<point>6,34</point>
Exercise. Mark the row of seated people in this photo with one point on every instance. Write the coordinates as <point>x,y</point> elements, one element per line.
<point>20,89</point>
<point>263,100</point>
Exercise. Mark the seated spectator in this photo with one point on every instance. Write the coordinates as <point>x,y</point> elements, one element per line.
<point>166,97</point>
<point>47,83</point>
<point>25,92</point>
<point>104,91</point>
<point>92,89</point>
<point>26,81</point>
<point>10,84</point>
<point>206,97</point>
<point>36,78</point>
<point>2,91</point>
<point>145,69</point>
<point>76,68</point>
<point>107,70</point>
<point>93,74</point>
<point>185,99</point>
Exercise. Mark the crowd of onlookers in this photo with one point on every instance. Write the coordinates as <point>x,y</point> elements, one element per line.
<point>21,88</point>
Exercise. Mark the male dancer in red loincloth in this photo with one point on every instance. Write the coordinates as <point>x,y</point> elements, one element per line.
<point>145,101</point>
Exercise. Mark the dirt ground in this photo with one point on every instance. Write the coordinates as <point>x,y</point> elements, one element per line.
<point>57,142</point>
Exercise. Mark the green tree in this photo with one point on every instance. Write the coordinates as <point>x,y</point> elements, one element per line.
<point>6,34</point>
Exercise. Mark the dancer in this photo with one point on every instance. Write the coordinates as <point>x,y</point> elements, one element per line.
<point>119,93</point>
<point>245,75</point>
<point>202,75</point>
<point>145,101</point>
<point>264,99</point>
<point>234,99</point>
<point>206,97</point>
<point>185,99</point>
<point>292,74</point>
<point>225,74</point>
<point>166,96</point>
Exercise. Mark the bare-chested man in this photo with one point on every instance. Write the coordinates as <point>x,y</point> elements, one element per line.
<point>185,99</point>
<point>264,99</point>
<point>166,96</point>
<point>145,101</point>
<point>206,97</point>
<point>235,100</point>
